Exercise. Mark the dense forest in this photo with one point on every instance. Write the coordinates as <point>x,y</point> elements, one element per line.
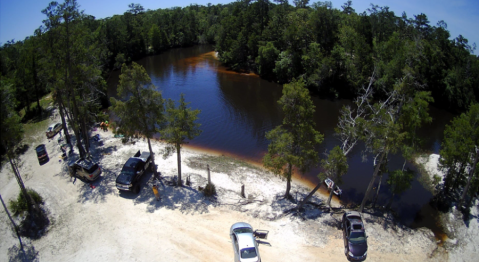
<point>335,50</point>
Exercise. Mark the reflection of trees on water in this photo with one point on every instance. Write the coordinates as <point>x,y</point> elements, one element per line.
<point>252,102</point>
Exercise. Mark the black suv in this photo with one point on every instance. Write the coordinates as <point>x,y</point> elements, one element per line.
<point>85,169</point>
<point>133,169</point>
<point>42,154</point>
<point>354,235</point>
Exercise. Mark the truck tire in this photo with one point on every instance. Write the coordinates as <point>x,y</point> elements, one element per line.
<point>136,189</point>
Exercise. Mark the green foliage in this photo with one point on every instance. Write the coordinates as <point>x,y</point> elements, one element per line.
<point>266,59</point>
<point>400,181</point>
<point>334,166</point>
<point>143,110</point>
<point>11,130</point>
<point>293,144</point>
<point>180,126</point>
<point>20,205</point>
<point>458,151</point>
<point>334,50</point>
<point>209,190</point>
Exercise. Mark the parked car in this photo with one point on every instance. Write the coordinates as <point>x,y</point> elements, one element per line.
<point>132,171</point>
<point>42,154</point>
<point>53,129</point>
<point>245,246</point>
<point>354,235</point>
<point>85,169</point>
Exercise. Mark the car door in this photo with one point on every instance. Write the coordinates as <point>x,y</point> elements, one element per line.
<point>235,247</point>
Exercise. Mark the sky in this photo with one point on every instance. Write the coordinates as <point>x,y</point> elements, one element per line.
<point>20,18</point>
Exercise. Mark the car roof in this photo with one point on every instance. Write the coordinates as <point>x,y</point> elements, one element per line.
<point>132,162</point>
<point>40,147</point>
<point>240,225</point>
<point>245,240</point>
<point>85,163</point>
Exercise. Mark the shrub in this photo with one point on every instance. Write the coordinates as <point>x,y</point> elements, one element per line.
<point>19,205</point>
<point>209,190</point>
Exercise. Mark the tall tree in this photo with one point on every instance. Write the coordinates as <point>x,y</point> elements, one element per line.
<point>335,166</point>
<point>293,144</point>
<point>11,133</point>
<point>180,126</point>
<point>460,153</point>
<point>142,108</point>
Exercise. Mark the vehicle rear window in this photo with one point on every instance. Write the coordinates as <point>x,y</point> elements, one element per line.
<point>357,237</point>
<point>249,252</point>
<point>92,168</point>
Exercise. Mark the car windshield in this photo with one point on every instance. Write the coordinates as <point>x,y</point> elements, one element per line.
<point>249,252</point>
<point>126,175</point>
<point>357,237</point>
<point>49,129</point>
<point>243,230</point>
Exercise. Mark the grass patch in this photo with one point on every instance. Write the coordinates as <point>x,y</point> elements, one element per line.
<point>20,205</point>
<point>219,164</point>
<point>34,129</point>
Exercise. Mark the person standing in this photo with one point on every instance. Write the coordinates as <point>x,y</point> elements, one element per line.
<point>155,191</point>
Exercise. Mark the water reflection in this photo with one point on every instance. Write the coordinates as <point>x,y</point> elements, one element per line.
<point>237,110</point>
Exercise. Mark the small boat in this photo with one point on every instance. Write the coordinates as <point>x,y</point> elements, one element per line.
<point>329,183</point>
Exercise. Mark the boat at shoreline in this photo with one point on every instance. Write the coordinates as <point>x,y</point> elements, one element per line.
<point>330,184</point>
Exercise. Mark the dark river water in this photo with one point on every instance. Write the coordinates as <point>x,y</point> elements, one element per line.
<point>238,109</point>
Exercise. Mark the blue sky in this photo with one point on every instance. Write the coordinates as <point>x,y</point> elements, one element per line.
<point>19,18</point>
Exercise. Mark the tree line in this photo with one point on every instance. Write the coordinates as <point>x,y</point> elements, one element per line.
<point>334,50</point>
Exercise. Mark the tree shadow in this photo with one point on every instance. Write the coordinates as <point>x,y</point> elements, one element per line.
<point>186,199</point>
<point>28,254</point>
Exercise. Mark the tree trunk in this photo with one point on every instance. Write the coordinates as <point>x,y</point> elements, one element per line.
<point>390,203</point>
<point>61,108</point>
<point>370,186</point>
<point>471,175</point>
<point>155,172</point>
<point>35,84</point>
<point>330,196</point>
<point>209,178</point>
<point>14,225</point>
<point>300,205</point>
<point>30,202</point>
<point>178,155</point>
<point>377,191</point>
<point>288,181</point>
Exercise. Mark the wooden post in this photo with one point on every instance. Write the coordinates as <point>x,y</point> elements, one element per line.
<point>209,177</point>
<point>242,191</point>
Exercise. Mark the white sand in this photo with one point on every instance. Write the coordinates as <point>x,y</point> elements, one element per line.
<point>102,224</point>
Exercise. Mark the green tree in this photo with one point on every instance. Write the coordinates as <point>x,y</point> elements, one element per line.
<point>399,181</point>
<point>335,166</point>
<point>142,108</point>
<point>266,58</point>
<point>180,127</point>
<point>460,153</point>
<point>292,144</point>
<point>11,133</point>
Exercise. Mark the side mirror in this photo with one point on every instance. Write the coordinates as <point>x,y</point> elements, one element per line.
<point>137,172</point>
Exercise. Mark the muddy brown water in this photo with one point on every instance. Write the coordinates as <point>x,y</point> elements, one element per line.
<point>238,109</point>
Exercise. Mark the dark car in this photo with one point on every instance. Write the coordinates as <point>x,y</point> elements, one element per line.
<point>42,154</point>
<point>85,169</point>
<point>354,235</point>
<point>132,171</point>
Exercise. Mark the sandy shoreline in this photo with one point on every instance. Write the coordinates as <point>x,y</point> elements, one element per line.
<point>102,224</point>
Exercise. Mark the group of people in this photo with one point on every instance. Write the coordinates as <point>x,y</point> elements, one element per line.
<point>104,126</point>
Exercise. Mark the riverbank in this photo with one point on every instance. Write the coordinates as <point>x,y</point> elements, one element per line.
<point>97,223</point>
